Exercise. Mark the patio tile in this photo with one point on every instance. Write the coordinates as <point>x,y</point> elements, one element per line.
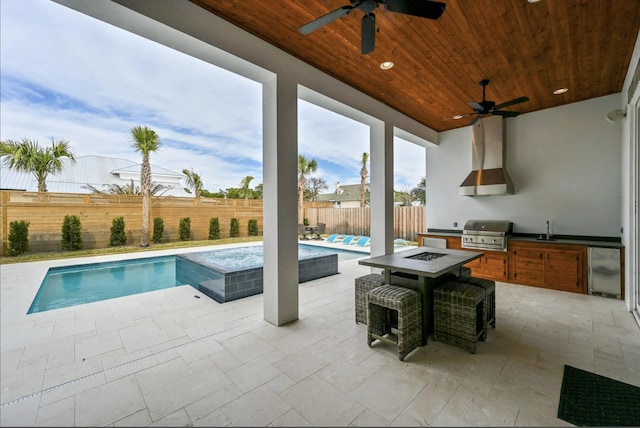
<point>174,384</point>
<point>301,365</point>
<point>138,419</point>
<point>109,402</point>
<point>20,414</point>
<point>259,407</point>
<point>97,344</point>
<point>315,407</point>
<point>178,418</point>
<point>253,374</point>
<point>166,358</point>
<point>247,346</point>
<point>389,391</point>
<point>146,333</point>
<point>213,419</point>
<point>202,409</point>
<point>58,414</point>
<point>291,419</point>
<point>27,379</point>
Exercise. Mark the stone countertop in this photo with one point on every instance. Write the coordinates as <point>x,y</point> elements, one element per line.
<point>590,241</point>
<point>570,241</point>
<point>452,259</point>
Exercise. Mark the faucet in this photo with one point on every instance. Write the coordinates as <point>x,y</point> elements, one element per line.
<point>548,234</point>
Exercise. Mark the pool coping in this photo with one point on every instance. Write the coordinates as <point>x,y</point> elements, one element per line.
<point>21,281</point>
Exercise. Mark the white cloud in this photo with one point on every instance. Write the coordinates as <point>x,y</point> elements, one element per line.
<point>67,75</point>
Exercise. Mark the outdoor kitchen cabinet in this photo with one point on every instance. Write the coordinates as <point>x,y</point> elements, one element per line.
<point>549,265</point>
<point>527,266</point>
<point>493,265</point>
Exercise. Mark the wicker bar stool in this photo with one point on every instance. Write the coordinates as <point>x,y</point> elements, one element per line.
<point>489,287</point>
<point>460,312</point>
<point>408,304</point>
<point>364,284</point>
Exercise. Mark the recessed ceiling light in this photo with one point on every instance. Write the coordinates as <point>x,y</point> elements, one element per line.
<point>458,116</point>
<point>386,65</point>
<point>533,1</point>
<point>560,91</point>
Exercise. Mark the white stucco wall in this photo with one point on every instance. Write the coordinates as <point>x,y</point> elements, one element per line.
<point>565,165</point>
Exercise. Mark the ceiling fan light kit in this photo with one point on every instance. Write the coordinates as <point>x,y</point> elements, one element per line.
<point>421,8</point>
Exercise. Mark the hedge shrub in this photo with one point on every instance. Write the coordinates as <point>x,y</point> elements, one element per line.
<point>234,229</point>
<point>118,235</point>
<point>253,227</point>
<point>185,229</point>
<point>214,228</point>
<point>71,233</point>
<point>18,237</point>
<point>158,230</point>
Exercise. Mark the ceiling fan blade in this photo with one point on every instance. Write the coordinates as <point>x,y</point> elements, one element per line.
<point>475,119</point>
<point>368,33</point>
<point>325,19</point>
<point>421,8</point>
<point>505,113</point>
<point>510,103</point>
<point>476,106</point>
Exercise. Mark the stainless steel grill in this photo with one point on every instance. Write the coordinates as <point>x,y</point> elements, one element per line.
<point>486,234</point>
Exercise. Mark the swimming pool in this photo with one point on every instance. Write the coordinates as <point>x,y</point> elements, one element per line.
<point>225,269</point>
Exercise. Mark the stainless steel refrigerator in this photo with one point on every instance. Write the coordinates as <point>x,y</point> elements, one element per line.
<point>604,272</point>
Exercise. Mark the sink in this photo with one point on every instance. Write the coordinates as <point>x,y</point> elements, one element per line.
<point>544,238</point>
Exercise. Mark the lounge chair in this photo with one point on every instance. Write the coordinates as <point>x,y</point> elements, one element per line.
<point>335,237</point>
<point>348,240</point>
<point>400,242</point>
<point>363,241</point>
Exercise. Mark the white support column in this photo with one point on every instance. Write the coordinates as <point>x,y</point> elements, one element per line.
<point>381,158</point>
<point>280,160</point>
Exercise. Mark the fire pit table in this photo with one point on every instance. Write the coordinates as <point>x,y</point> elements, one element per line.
<point>421,269</point>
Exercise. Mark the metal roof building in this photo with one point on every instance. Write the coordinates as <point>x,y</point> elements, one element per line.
<point>97,171</point>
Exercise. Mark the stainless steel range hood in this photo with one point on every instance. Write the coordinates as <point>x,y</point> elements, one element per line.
<point>489,176</point>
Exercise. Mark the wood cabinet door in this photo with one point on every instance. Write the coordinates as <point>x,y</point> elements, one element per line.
<point>495,266</point>
<point>475,266</point>
<point>527,266</point>
<point>563,270</point>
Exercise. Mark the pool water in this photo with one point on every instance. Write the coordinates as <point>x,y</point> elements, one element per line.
<point>253,256</point>
<point>75,285</point>
<point>79,284</point>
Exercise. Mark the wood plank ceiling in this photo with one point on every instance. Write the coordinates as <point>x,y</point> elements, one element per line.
<point>525,49</point>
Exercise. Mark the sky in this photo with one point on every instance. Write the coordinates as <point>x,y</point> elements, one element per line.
<point>67,76</point>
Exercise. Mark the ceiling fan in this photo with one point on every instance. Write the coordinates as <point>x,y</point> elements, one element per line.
<point>421,8</point>
<point>487,108</point>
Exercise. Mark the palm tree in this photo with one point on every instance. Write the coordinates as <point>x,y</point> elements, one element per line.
<point>145,141</point>
<point>363,178</point>
<point>193,182</point>
<point>305,167</point>
<point>245,191</point>
<point>28,156</point>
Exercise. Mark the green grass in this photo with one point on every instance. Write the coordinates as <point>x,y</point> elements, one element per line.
<point>34,257</point>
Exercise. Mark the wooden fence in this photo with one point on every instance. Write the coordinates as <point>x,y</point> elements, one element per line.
<point>408,221</point>
<point>45,214</point>
<point>97,211</point>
